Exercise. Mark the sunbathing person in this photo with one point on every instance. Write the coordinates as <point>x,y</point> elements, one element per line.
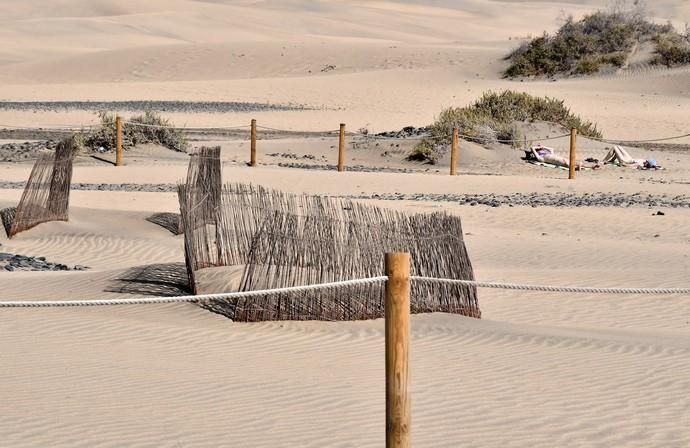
<point>620,156</point>
<point>545,154</point>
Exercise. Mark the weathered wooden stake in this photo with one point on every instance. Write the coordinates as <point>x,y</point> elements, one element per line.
<point>118,141</point>
<point>573,143</point>
<point>252,157</point>
<point>341,148</point>
<point>397,324</point>
<point>454,152</point>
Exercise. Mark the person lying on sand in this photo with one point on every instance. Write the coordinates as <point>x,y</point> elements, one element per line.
<point>545,154</point>
<point>620,156</point>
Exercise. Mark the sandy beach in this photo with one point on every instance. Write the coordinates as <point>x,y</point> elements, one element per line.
<point>537,370</point>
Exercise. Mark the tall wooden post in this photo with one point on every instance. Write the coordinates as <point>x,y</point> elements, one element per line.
<point>341,148</point>
<point>397,350</point>
<point>573,162</point>
<point>118,141</point>
<point>252,156</point>
<point>454,152</point>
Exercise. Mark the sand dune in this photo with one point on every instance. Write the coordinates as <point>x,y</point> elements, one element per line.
<point>539,368</point>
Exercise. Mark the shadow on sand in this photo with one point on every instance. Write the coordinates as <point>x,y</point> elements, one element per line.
<point>160,280</point>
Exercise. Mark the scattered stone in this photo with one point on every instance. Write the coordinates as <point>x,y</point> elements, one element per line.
<point>407,131</point>
<point>534,200</point>
<point>15,262</point>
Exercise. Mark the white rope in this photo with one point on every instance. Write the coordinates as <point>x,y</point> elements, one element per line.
<point>541,139</point>
<point>49,127</point>
<point>663,139</point>
<point>193,299</point>
<point>570,289</point>
<point>159,126</point>
<point>333,285</point>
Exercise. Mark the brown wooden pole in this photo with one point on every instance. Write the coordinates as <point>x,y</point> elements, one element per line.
<point>397,310</point>
<point>573,162</point>
<point>252,156</point>
<point>118,141</point>
<point>341,148</point>
<point>454,152</point>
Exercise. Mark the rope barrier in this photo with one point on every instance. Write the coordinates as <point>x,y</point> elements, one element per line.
<point>190,299</point>
<point>333,285</point>
<point>67,127</point>
<point>604,140</point>
<point>469,137</point>
<point>158,126</point>
<point>268,128</point>
<point>543,288</point>
<point>349,133</point>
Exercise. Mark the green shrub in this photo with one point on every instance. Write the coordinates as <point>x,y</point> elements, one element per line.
<point>494,117</point>
<point>424,151</point>
<point>158,130</point>
<point>671,51</point>
<point>587,65</point>
<point>582,47</point>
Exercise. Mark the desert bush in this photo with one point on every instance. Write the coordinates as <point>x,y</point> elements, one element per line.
<point>424,151</point>
<point>493,117</point>
<point>587,65</point>
<point>584,46</point>
<point>671,51</point>
<point>158,130</point>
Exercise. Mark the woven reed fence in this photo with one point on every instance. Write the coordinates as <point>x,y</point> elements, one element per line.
<point>46,195</point>
<point>200,198</point>
<point>283,240</point>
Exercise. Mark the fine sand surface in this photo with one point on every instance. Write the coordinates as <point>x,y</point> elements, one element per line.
<point>538,370</point>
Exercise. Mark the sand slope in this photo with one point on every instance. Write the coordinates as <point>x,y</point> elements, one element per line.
<point>538,370</point>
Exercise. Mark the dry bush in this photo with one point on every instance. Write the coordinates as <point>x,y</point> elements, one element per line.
<point>493,118</point>
<point>157,130</point>
<point>598,39</point>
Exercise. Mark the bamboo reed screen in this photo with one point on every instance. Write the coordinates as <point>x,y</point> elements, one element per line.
<point>46,195</point>
<point>286,240</point>
<point>199,209</point>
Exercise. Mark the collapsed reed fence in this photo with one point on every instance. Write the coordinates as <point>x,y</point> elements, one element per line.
<point>282,240</point>
<point>46,195</point>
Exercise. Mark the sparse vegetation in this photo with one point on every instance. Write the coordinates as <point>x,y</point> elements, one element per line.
<point>158,130</point>
<point>494,118</point>
<point>672,50</point>
<point>598,40</point>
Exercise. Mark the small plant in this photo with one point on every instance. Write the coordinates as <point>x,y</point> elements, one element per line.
<point>672,51</point>
<point>494,118</point>
<point>587,65</point>
<point>424,151</point>
<point>139,129</point>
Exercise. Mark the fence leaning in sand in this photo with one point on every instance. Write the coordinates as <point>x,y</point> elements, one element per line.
<point>199,200</point>
<point>281,240</point>
<point>46,195</point>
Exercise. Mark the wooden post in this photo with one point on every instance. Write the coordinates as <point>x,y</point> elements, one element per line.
<point>252,157</point>
<point>454,152</point>
<point>341,148</point>
<point>118,141</point>
<point>397,311</point>
<point>573,143</point>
